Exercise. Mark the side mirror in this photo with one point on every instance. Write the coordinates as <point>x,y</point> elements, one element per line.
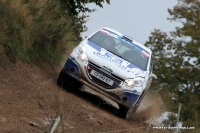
<point>153,76</point>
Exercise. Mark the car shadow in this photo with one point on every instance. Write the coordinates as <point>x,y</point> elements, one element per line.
<point>74,88</point>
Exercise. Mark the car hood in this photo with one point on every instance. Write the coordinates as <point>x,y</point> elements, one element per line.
<point>111,62</point>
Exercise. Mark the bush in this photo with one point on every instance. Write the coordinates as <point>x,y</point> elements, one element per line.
<point>36,30</point>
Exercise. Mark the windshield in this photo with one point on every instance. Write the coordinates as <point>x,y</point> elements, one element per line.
<point>121,47</point>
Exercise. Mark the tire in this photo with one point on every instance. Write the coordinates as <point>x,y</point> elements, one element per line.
<point>59,80</point>
<point>66,81</point>
<point>63,80</point>
<point>75,84</point>
<point>125,112</point>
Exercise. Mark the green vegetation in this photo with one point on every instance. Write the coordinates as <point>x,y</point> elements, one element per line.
<point>39,30</point>
<point>35,31</point>
<point>77,6</point>
<point>177,62</point>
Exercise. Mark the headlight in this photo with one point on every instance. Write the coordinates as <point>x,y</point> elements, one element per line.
<point>80,50</point>
<point>138,81</point>
<point>129,82</point>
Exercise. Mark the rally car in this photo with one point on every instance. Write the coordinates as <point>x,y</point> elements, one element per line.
<point>113,65</point>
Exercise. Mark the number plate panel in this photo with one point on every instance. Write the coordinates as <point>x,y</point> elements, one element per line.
<point>102,77</point>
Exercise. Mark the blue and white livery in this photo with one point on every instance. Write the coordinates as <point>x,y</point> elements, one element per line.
<point>112,66</point>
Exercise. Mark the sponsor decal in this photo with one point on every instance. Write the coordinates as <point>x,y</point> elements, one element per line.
<point>124,40</point>
<point>103,31</point>
<point>136,71</point>
<point>113,35</point>
<point>112,58</point>
<point>145,54</point>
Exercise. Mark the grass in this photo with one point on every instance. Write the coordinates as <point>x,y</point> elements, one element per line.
<point>36,31</point>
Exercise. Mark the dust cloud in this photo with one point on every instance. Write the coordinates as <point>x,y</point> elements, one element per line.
<point>150,109</point>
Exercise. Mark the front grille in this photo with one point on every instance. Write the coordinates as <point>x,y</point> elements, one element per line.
<point>117,80</point>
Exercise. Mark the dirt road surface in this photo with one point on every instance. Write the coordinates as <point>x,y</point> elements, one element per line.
<point>30,101</point>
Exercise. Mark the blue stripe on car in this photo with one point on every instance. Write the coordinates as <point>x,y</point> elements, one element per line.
<point>70,64</point>
<point>132,97</point>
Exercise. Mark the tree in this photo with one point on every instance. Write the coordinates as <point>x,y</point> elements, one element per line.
<point>77,6</point>
<point>177,61</point>
<point>77,9</point>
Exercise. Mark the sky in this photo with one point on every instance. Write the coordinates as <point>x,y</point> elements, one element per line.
<point>135,18</point>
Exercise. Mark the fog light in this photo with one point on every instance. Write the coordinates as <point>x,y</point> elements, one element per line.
<point>124,98</point>
<point>72,70</point>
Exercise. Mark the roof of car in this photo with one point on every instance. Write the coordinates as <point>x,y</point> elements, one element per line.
<point>133,41</point>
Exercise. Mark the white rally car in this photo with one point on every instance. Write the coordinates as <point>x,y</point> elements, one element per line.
<point>113,65</point>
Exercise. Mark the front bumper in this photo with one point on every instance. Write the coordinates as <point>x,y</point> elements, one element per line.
<point>76,68</point>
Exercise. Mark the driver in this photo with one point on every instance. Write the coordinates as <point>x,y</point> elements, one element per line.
<point>109,44</point>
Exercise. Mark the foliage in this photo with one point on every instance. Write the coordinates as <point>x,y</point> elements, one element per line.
<point>41,30</point>
<point>77,6</point>
<point>36,31</point>
<point>77,10</point>
<point>177,61</point>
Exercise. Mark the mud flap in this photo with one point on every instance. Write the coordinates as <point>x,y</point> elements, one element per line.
<point>95,93</point>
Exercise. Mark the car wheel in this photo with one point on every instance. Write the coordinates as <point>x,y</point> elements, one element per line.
<point>60,78</point>
<point>125,112</point>
<point>66,81</point>
<point>63,80</point>
<point>75,84</point>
